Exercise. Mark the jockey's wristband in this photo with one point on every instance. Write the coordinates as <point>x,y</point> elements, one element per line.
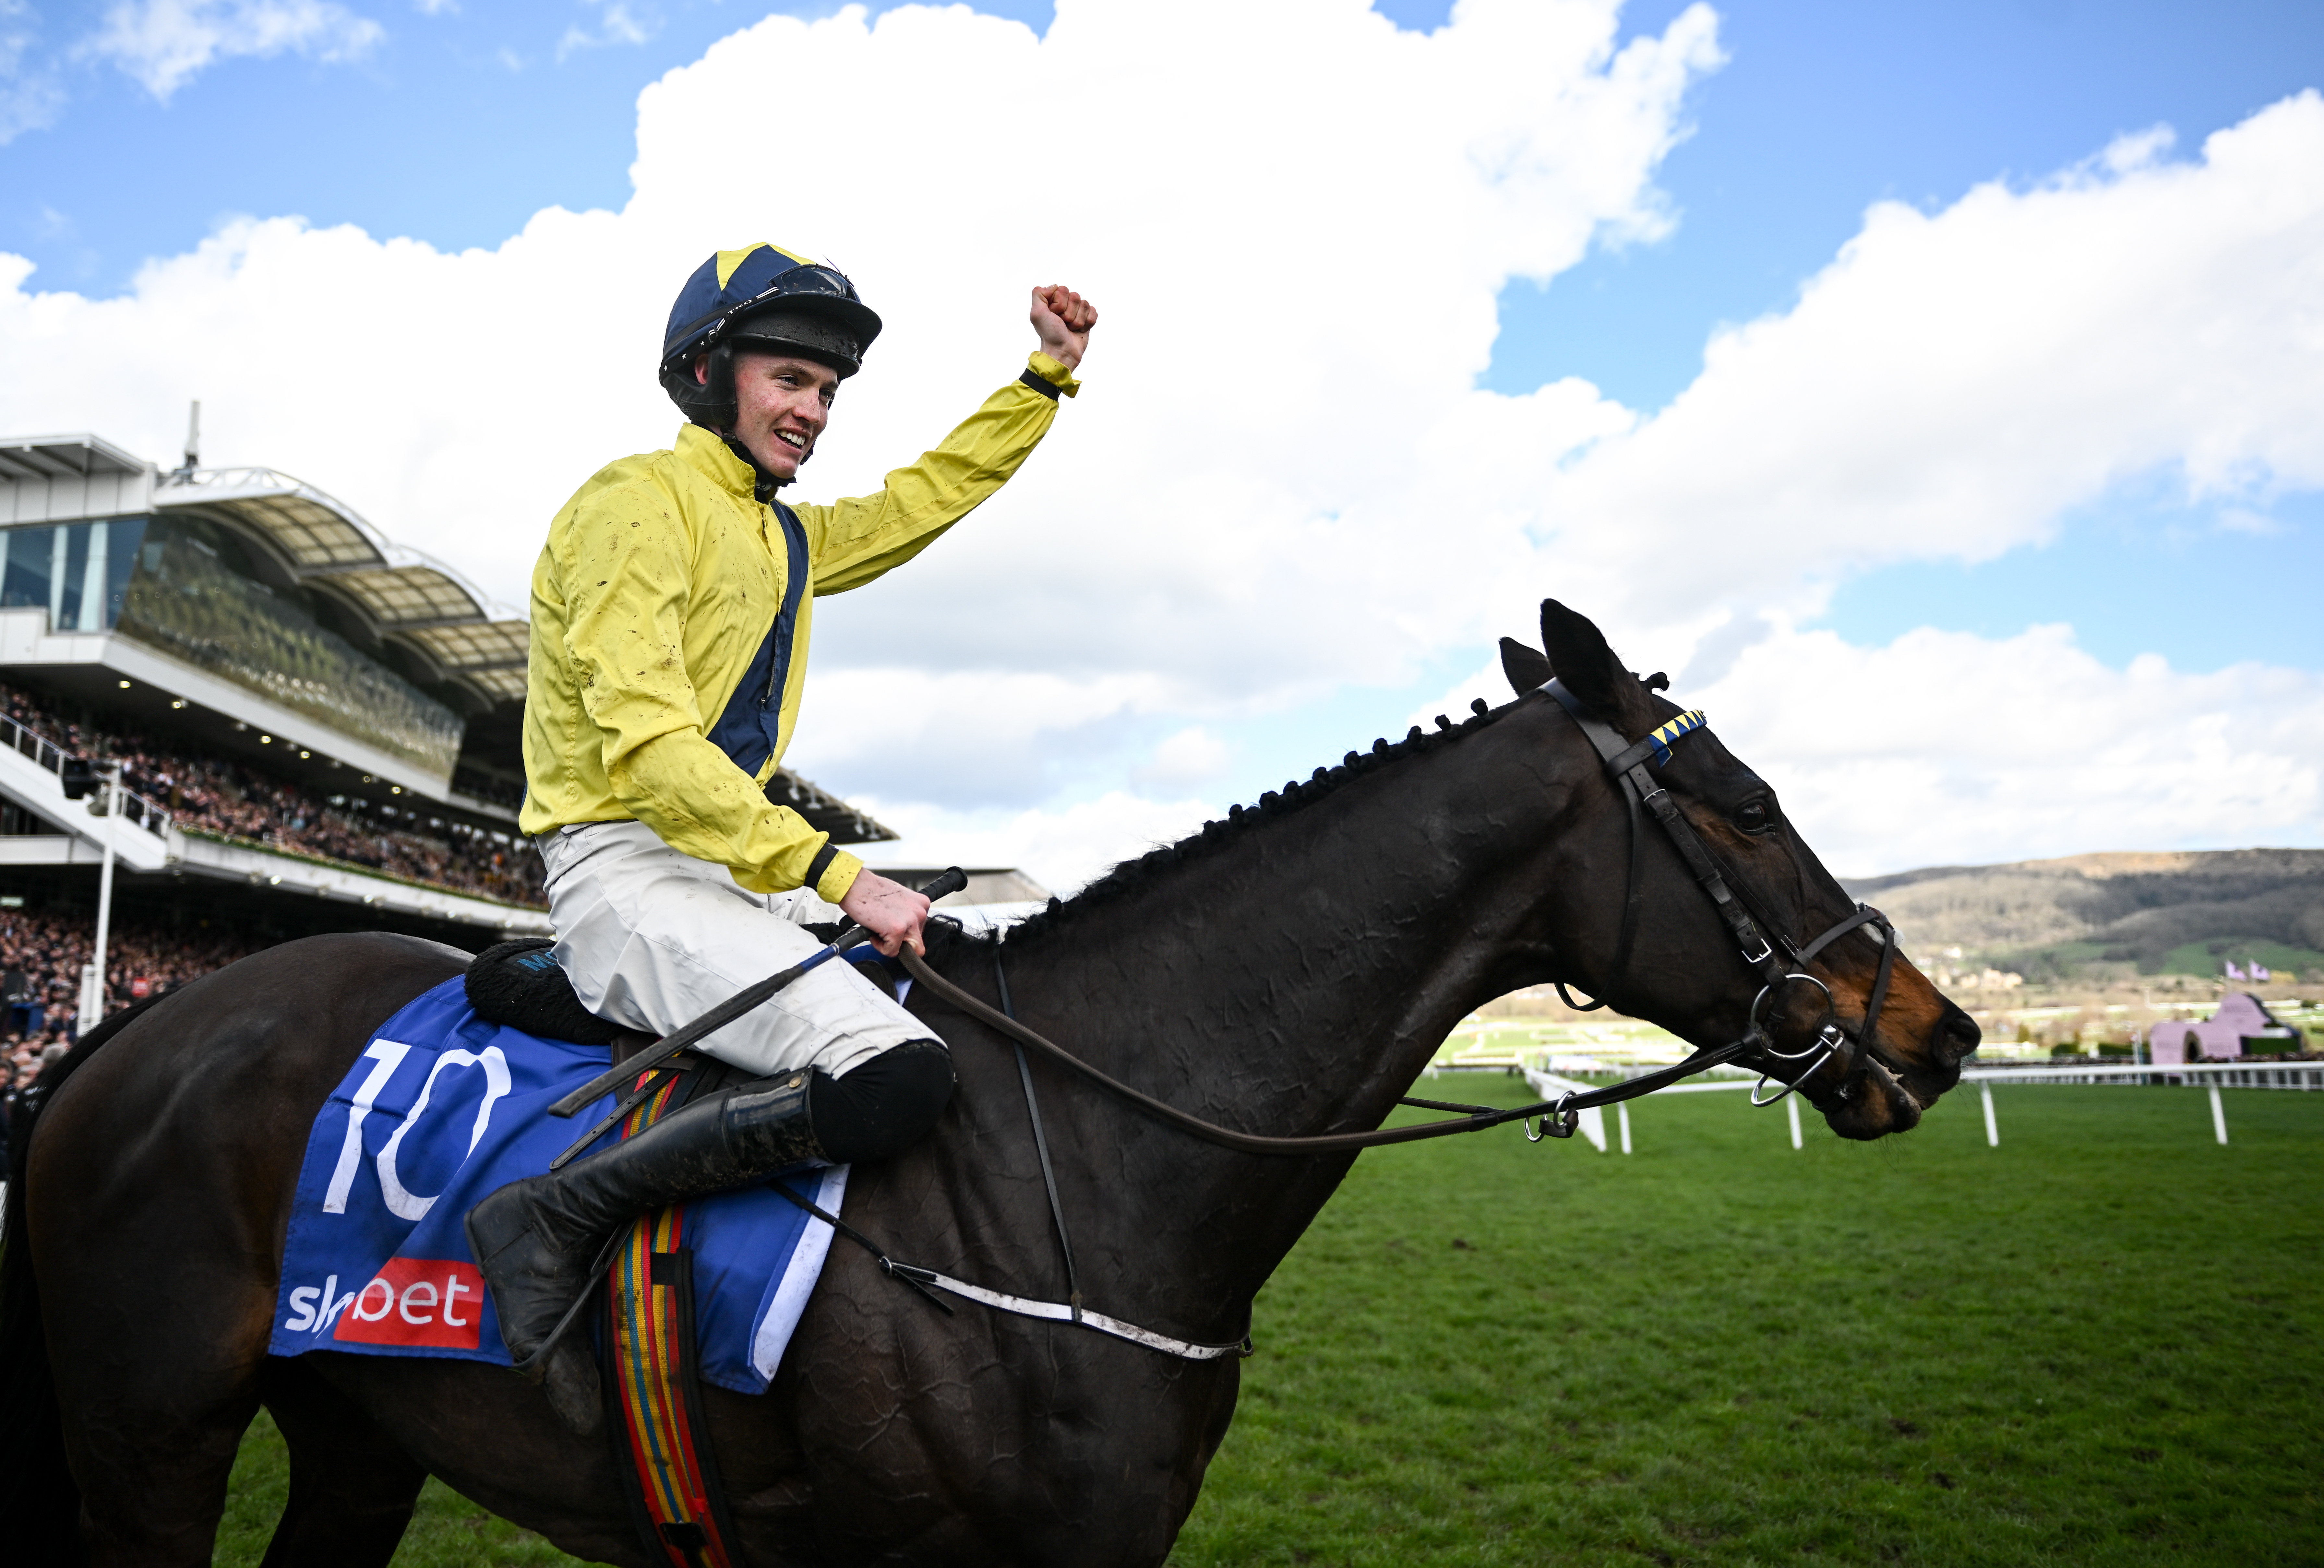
<point>1047,389</point>
<point>818,865</point>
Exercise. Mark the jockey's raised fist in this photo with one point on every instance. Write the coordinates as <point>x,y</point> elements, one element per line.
<point>1064,319</point>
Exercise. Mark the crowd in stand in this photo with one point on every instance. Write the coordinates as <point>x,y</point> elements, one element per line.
<point>469,781</point>
<point>238,802</point>
<point>41,960</point>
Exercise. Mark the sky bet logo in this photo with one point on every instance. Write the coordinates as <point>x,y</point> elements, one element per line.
<point>431,1303</point>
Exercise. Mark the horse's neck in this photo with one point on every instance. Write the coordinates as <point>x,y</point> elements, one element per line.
<point>1292,980</point>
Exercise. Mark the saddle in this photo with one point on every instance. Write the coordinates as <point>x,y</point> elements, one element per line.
<point>521,985</point>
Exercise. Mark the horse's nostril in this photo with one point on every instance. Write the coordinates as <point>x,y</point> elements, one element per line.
<point>1957,1035</point>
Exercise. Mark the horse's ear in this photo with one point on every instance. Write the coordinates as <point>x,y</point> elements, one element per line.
<point>1526,666</point>
<point>1587,666</point>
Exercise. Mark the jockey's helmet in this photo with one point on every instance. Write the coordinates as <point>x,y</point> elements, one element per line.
<point>760,297</point>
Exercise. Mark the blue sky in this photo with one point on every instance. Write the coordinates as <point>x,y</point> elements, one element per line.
<point>456,122</point>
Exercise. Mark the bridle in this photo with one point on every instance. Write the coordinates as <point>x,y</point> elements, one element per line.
<point>1626,765</point>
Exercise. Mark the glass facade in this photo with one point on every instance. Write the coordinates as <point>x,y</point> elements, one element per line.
<point>78,572</point>
<point>179,585</point>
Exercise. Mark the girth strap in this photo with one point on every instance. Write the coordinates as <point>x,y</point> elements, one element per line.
<point>928,1282</point>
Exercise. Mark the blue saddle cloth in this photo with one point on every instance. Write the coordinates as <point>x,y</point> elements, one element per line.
<point>441,1108</point>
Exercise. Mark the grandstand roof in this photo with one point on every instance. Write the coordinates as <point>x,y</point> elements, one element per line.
<point>59,456</point>
<point>57,478</point>
<point>825,812</point>
<point>397,594</point>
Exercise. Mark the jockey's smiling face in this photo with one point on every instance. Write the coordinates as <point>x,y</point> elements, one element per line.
<point>783,403</point>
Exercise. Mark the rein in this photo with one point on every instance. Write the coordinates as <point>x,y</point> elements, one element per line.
<point>1565,1111</point>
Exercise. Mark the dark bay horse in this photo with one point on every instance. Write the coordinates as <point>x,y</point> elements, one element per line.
<point>1289,971</point>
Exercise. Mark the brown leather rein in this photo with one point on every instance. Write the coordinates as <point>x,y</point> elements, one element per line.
<point>1559,1115</point>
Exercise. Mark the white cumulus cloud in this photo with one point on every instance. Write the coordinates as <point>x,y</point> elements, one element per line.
<point>1943,747</point>
<point>1062,847</point>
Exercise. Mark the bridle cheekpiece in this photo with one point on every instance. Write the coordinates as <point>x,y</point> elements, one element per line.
<point>1626,763</point>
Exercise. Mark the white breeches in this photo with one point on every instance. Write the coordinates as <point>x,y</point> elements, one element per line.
<point>653,938</point>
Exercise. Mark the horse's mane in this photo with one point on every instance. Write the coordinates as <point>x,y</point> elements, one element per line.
<point>1133,876</point>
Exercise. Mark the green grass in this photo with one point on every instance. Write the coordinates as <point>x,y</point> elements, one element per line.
<point>2096,1343</point>
<point>447,1530</point>
<point>2089,960</point>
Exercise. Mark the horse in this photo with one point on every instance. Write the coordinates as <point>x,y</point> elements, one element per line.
<point>1290,969</point>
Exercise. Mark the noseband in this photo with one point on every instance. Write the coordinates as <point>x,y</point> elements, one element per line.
<point>1626,764</point>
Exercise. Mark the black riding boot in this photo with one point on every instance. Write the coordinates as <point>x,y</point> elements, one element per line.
<point>535,1240</point>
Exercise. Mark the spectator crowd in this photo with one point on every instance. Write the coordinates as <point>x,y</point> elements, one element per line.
<point>41,956</point>
<point>238,802</point>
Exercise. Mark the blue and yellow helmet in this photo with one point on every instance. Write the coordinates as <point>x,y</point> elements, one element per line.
<point>764,297</point>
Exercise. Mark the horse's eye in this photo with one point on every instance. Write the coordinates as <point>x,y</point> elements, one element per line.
<point>1754,817</point>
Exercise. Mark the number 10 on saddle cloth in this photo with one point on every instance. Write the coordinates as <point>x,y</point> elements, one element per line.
<point>443,1107</point>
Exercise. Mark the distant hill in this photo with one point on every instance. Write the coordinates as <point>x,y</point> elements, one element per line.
<point>2177,912</point>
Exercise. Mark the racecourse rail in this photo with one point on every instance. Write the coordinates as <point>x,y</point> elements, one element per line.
<point>2214,1074</point>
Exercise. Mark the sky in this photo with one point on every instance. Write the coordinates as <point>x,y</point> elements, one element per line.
<point>1928,387</point>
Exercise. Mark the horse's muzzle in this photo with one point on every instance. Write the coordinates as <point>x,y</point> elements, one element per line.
<point>1885,1089</point>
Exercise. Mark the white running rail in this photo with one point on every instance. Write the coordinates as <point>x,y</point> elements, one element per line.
<point>2229,1074</point>
<point>2214,1075</point>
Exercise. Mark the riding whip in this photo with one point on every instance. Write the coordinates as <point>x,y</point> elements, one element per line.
<point>951,881</point>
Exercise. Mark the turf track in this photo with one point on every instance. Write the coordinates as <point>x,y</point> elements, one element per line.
<point>2102,1342</point>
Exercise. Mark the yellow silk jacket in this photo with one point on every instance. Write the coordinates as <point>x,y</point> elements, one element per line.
<point>670,617</point>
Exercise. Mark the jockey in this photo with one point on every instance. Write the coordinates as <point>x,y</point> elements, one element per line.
<point>671,611</point>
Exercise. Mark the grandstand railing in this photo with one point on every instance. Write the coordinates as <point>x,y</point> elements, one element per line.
<point>26,741</point>
<point>379,873</point>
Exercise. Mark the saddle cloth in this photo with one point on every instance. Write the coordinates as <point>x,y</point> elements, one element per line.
<point>441,1108</point>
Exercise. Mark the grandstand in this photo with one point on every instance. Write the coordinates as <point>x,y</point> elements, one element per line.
<point>318,730</point>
